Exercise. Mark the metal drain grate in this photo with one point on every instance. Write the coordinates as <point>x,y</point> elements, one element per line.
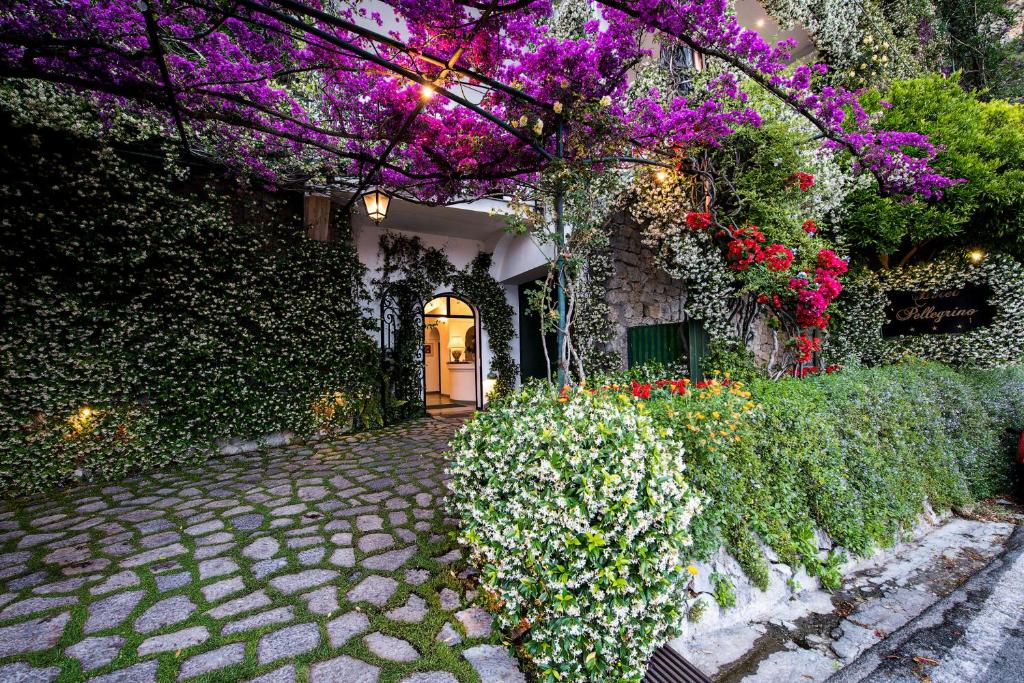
<point>668,666</point>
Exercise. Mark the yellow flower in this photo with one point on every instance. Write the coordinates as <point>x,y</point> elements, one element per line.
<point>606,101</point>
<point>558,107</point>
<point>692,570</point>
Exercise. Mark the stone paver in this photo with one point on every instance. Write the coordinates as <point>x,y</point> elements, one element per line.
<point>179,640</point>
<point>96,652</point>
<point>20,672</point>
<point>412,612</point>
<point>341,630</point>
<point>278,615</point>
<point>389,647</point>
<point>430,677</point>
<point>322,600</point>
<point>221,589</point>
<point>276,550</point>
<point>164,613</point>
<point>262,548</point>
<point>140,673</point>
<point>494,664</point>
<point>110,612</point>
<point>212,660</point>
<point>33,635</point>
<point>288,642</point>
<point>373,589</point>
<point>343,668</point>
<point>476,621</point>
<point>293,583</point>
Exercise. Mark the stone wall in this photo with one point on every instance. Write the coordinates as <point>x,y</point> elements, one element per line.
<point>639,292</point>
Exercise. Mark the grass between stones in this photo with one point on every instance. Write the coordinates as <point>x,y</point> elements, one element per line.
<point>264,482</point>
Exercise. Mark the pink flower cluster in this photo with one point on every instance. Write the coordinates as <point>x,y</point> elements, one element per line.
<point>813,296</point>
<point>259,84</point>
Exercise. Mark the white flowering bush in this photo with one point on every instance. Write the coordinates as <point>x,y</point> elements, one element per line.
<point>578,512</point>
<point>687,255</point>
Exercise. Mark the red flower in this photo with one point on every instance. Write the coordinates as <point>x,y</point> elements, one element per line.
<point>698,221</point>
<point>641,390</point>
<point>778,258</point>
<point>806,347</point>
<point>806,180</point>
<point>810,227</point>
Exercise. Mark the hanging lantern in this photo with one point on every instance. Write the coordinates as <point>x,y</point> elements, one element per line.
<point>376,202</point>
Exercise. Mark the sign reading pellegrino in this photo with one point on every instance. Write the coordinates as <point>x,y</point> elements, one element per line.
<point>939,311</point>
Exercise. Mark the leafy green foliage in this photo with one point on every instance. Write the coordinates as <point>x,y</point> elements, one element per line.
<point>980,46</point>
<point>148,311</point>
<point>723,590</point>
<point>983,144</point>
<point>578,506</point>
<point>732,358</point>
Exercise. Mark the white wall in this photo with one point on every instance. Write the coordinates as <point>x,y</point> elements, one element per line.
<point>516,259</point>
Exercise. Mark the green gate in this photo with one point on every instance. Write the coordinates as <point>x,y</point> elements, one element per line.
<point>669,343</point>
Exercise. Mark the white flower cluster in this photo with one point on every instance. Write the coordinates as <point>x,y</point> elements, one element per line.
<point>660,209</point>
<point>859,336</point>
<point>578,514</point>
<point>866,42</point>
<point>166,307</point>
<point>834,181</point>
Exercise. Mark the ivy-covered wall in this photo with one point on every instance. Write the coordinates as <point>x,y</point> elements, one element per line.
<point>147,311</point>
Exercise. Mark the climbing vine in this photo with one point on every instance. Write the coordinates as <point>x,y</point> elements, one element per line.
<point>148,310</point>
<point>858,334</point>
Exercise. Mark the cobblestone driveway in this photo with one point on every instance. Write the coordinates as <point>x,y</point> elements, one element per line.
<point>324,561</point>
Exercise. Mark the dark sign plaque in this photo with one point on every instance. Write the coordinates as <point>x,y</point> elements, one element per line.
<point>938,311</point>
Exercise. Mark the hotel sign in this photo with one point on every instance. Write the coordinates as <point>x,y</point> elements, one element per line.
<point>939,311</point>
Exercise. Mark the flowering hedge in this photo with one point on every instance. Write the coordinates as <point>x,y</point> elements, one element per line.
<point>146,312</point>
<point>859,334</point>
<point>579,513</point>
<point>582,507</point>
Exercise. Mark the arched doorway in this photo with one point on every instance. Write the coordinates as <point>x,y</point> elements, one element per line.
<point>451,345</point>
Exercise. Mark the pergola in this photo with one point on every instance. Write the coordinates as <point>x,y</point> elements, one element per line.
<point>141,58</point>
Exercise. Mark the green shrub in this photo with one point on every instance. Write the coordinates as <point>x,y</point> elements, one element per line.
<point>595,570</point>
<point>579,514</point>
<point>166,309</point>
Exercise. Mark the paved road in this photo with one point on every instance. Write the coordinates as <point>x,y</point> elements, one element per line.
<point>976,635</point>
